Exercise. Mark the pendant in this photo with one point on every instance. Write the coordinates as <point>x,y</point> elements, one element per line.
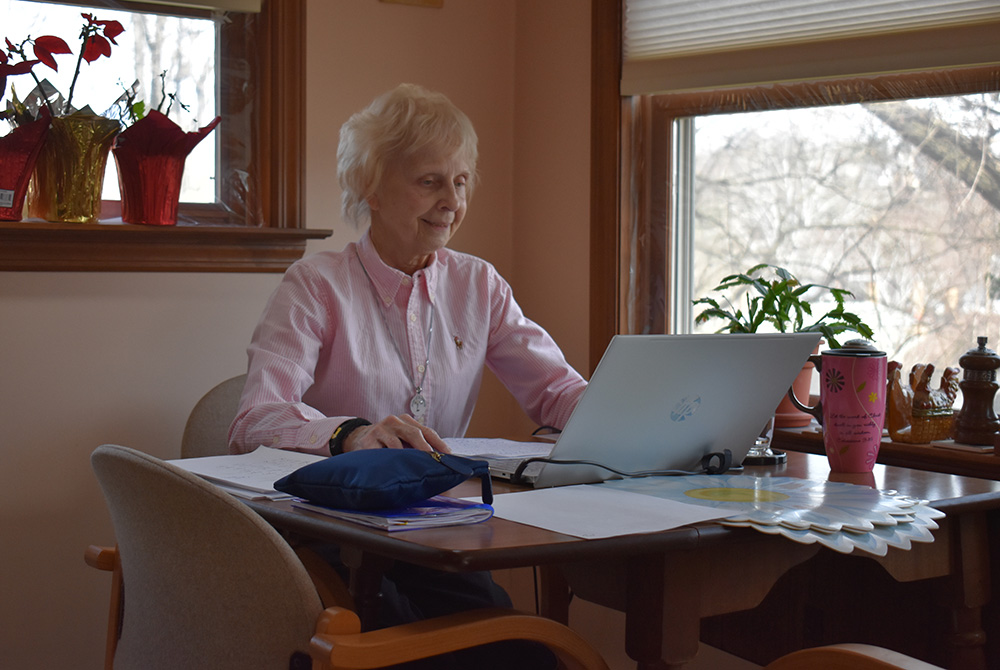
<point>418,405</point>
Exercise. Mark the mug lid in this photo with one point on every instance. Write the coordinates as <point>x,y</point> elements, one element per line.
<point>855,348</point>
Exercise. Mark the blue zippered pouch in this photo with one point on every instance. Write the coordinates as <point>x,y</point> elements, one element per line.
<point>379,479</point>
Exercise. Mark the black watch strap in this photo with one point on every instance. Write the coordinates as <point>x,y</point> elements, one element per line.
<point>343,430</point>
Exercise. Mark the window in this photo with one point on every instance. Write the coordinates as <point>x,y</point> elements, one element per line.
<point>896,201</point>
<point>651,150</point>
<point>156,57</point>
<point>251,219</point>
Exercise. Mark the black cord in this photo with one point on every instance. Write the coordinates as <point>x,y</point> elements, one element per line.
<point>714,463</point>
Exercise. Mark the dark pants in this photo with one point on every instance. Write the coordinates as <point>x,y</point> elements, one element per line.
<point>412,593</point>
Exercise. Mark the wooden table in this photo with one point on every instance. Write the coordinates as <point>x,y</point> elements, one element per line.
<point>666,582</point>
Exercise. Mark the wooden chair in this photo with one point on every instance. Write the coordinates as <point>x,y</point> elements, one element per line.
<point>207,428</point>
<point>848,657</point>
<point>209,584</point>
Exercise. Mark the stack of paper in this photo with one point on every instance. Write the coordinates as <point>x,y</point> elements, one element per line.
<point>250,476</point>
<point>490,448</point>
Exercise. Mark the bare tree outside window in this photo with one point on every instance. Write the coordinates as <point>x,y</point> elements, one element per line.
<point>898,202</point>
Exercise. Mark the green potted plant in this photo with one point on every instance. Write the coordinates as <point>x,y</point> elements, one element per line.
<point>779,301</point>
<point>773,299</point>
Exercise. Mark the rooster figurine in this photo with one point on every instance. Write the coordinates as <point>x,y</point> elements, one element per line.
<point>917,413</point>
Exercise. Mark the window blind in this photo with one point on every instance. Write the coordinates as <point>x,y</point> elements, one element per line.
<point>674,45</point>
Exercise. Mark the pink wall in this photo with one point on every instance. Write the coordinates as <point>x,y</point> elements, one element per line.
<point>89,358</point>
<point>521,72</point>
<point>552,169</point>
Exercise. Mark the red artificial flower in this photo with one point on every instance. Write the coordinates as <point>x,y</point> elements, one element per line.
<point>112,29</point>
<point>11,70</point>
<point>43,46</point>
<point>96,38</point>
<point>96,47</point>
<point>47,45</point>
<point>16,68</point>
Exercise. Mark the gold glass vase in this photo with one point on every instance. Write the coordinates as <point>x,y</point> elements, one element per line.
<point>69,175</point>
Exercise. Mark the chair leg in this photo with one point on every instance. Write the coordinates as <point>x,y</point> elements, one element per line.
<point>331,588</point>
<point>108,559</point>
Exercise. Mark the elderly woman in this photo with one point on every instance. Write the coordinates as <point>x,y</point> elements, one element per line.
<point>383,344</point>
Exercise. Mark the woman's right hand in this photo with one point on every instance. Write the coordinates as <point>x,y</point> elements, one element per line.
<point>396,432</point>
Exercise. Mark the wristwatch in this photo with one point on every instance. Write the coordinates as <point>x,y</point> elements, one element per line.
<point>342,431</point>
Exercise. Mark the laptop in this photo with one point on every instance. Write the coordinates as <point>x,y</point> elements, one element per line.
<point>665,402</point>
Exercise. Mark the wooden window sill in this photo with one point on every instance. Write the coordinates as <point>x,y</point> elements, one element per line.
<point>107,247</point>
<point>914,456</point>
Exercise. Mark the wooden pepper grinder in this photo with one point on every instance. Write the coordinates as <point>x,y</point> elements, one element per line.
<point>977,423</point>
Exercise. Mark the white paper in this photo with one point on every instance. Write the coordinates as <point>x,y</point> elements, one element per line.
<point>256,471</point>
<point>496,448</point>
<point>593,512</point>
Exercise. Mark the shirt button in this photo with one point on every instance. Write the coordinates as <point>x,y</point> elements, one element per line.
<point>420,368</point>
<point>312,440</point>
<point>413,317</point>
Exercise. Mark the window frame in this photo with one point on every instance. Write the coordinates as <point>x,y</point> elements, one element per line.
<point>633,149</point>
<point>213,244</point>
<point>654,177</point>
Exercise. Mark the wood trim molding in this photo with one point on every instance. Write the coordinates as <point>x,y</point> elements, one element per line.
<point>129,248</point>
<point>605,180</point>
<point>821,92</point>
<point>282,102</point>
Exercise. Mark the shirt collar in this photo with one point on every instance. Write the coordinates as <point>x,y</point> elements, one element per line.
<point>388,280</point>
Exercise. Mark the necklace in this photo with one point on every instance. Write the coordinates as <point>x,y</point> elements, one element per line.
<point>418,403</point>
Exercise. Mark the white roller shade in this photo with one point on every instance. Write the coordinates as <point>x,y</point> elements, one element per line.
<point>678,44</point>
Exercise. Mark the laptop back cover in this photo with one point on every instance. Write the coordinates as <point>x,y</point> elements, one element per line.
<point>662,402</point>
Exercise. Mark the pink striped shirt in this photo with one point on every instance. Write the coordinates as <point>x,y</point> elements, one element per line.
<point>334,336</point>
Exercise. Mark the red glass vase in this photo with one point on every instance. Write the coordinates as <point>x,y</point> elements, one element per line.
<point>18,153</point>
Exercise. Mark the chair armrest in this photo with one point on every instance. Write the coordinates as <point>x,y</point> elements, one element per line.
<point>340,642</point>
<point>849,657</point>
<point>102,558</point>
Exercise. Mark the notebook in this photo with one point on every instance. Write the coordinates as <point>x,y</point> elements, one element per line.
<point>663,402</point>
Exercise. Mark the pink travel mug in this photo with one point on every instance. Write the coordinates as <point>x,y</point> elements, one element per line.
<point>852,404</point>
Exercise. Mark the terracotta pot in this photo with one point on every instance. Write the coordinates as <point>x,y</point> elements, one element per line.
<point>787,415</point>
